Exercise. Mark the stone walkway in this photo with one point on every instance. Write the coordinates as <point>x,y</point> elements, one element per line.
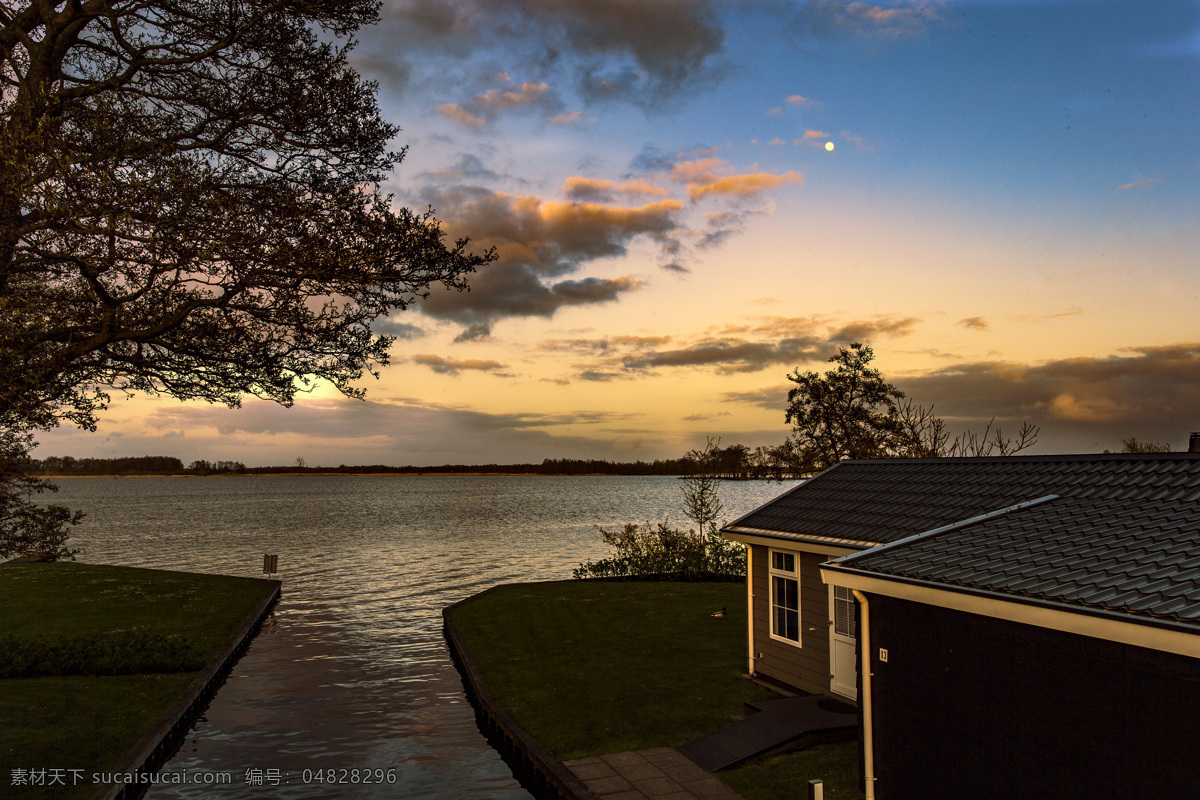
<point>662,774</point>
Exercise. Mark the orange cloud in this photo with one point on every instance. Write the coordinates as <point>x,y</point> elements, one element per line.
<point>527,94</point>
<point>1144,183</point>
<point>566,118</point>
<point>812,138</point>
<point>578,188</point>
<point>702,170</point>
<point>561,217</point>
<point>456,113</point>
<point>746,185</point>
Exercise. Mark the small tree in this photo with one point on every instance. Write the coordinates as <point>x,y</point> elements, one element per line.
<point>701,500</point>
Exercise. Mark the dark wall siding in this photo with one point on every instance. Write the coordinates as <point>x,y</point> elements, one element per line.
<point>970,706</point>
<point>805,667</point>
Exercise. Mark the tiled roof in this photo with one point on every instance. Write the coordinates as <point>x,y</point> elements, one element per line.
<point>1130,555</point>
<point>888,499</point>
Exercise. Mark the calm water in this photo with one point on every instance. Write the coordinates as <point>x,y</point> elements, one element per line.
<point>352,672</point>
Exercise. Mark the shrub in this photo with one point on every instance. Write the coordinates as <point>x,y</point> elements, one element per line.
<point>122,652</point>
<point>662,551</point>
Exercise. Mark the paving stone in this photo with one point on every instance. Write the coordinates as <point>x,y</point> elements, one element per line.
<point>588,772</point>
<point>640,772</point>
<point>627,757</point>
<point>607,786</point>
<point>657,787</point>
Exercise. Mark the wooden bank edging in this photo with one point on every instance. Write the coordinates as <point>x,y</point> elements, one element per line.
<point>171,728</point>
<point>539,772</point>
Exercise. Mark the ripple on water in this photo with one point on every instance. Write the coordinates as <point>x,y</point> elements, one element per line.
<point>351,671</point>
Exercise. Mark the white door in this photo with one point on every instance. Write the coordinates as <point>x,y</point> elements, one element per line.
<point>843,630</point>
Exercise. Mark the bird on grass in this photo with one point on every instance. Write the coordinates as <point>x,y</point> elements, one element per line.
<point>720,614</point>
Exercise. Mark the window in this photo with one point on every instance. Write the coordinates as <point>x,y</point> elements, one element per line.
<point>785,596</point>
<point>845,612</point>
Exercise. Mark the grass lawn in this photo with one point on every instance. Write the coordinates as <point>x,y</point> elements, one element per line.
<point>589,668</point>
<point>92,655</point>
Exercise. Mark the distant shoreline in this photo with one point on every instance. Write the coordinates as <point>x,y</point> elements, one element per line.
<point>362,475</point>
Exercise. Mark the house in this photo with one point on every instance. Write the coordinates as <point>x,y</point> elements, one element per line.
<point>1033,622</point>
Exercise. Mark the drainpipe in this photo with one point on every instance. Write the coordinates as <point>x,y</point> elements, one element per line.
<point>868,742</point>
<point>750,607</point>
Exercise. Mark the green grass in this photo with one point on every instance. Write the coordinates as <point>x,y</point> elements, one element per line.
<point>589,668</point>
<point>786,777</point>
<point>79,639</point>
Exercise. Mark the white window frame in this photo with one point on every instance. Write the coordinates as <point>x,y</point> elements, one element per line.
<point>773,573</point>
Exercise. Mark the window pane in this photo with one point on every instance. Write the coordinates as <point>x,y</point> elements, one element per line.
<point>793,625</point>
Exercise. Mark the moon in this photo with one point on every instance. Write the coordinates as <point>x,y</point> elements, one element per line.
<point>829,146</point>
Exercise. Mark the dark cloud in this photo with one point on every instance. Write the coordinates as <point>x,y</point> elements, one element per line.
<point>728,355</point>
<point>705,417</point>
<point>451,366</point>
<point>507,289</point>
<point>550,237</point>
<point>652,159</point>
<point>400,330</point>
<point>598,377</point>
<point>721,225</point>
<point>468,169</point>
<point>763,343</point>
<point>475,333</point>
<point>645,53</point>
<point>865,330</point>
<point>1148,392</point>
<point>499,94</point>
<point>538,240</point>
<point>976,323</point>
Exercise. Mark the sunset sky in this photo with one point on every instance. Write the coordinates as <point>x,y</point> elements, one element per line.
<point>693,198</point>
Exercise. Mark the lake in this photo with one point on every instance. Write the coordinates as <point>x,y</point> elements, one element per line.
<point>351,671</point>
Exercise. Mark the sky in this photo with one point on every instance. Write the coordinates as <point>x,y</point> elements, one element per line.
<point>692,199</point>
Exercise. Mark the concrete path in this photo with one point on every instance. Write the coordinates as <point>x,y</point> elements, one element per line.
<point>662,774</point>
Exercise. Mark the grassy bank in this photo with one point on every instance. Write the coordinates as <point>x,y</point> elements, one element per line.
<point>91,655</point>
<point>589,668</point>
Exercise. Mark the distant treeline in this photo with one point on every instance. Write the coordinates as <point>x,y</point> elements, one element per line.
<point>736,462</point>
<point>169,465</point>
<point>550,466</point>
<point>130,465</point>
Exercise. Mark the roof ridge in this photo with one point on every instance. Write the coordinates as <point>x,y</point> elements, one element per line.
<point>1044,457</point>
<point>962,523</point>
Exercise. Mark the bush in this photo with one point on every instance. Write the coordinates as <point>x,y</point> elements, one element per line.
<point>662,551</point>
<point>122,652</point>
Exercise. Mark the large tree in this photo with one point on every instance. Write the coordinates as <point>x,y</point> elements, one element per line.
<point>190,204</point>
<point>852,412</point>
